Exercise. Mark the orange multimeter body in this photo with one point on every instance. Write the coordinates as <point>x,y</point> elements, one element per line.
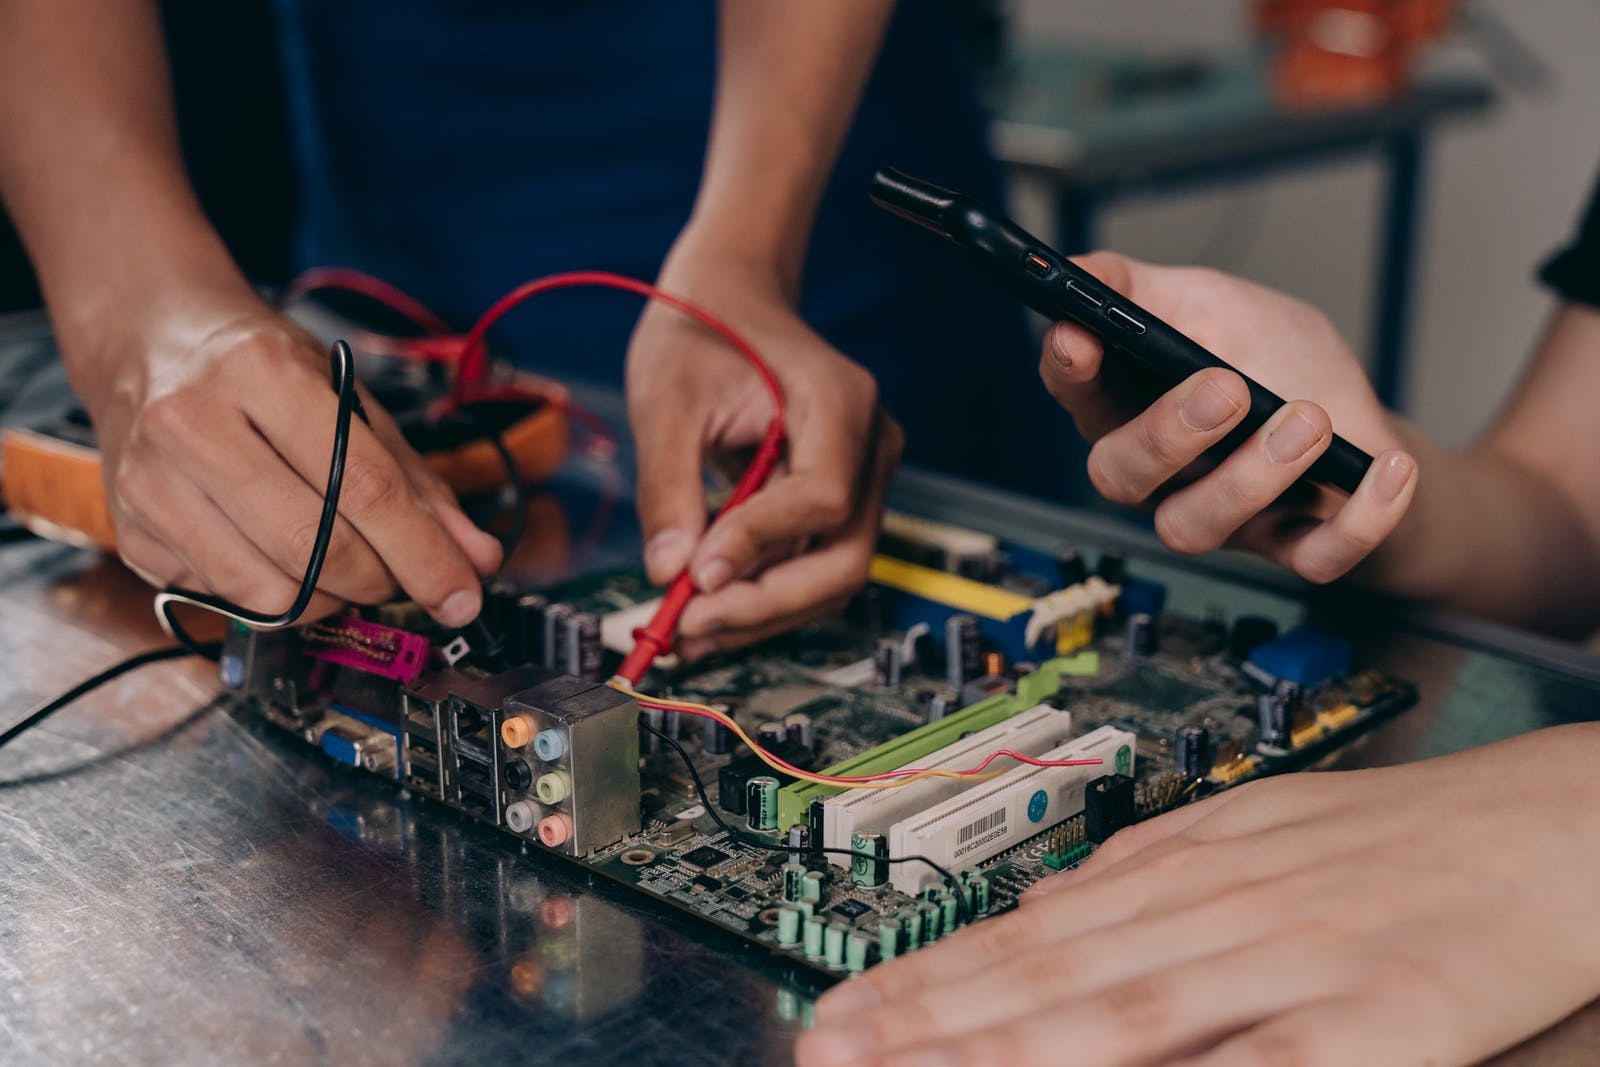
<point>52,483</point>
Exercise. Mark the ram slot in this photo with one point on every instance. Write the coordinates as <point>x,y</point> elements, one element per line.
<point>1034,731</point>
<point>984,821</point>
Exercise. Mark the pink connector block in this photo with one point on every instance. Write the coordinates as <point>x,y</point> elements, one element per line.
<point>366,646</point>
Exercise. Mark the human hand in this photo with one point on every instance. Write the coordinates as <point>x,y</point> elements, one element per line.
<point>1430,913</point>
<point>798,548</point>
<point>216,426</point>
<point>1152,452</point>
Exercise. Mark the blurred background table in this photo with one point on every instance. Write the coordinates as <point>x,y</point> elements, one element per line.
<point>1097,129</point>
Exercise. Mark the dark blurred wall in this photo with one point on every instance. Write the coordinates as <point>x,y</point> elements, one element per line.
<point>227,86</point>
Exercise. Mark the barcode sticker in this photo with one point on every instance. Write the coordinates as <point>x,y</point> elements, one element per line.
<point>997,817</point>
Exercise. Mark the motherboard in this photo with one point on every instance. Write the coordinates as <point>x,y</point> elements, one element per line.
<point>960,646</point>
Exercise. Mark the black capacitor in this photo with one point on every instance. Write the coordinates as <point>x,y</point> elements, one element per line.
<point>1108,806</point>
<point>1272,719</point>
<point>1113,567</point>
<point>1250,632</point>
<point>945,700</point>
<point>649,740</point>
<point>961,651</point>
<point>772,734</point>
<point>799,843</point>
<point>886,663</point>
<point>1139,634</point>
<point>553,641</point>
<point>816,814</point>
<point>1293,694</point>
<point>583,646</point>
<point>717,737</point>
<point>798,728</point>
<point>528,629</point>
<point>1070,567</point>
<point>731,780</point>
<point>1191,751</point>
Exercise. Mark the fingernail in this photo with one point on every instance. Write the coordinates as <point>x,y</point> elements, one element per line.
<point>1207,407</point>
<point>1290,439</point>
<point>667,553</point>
<point>847,999</point>
<point>1392,477</point>
<point>460,608</point>
<point>714,575</point>
<point>841,1045</point>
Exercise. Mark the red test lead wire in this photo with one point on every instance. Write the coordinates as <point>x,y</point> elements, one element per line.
<point>655,637</point>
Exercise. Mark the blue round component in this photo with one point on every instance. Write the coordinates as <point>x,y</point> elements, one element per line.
<point>550,745</point>
<point>1037,804</point>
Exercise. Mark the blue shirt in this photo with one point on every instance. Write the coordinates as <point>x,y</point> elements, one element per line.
<point>459,147</point>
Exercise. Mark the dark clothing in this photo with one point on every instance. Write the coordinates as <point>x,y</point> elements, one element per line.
<point>459,147</point>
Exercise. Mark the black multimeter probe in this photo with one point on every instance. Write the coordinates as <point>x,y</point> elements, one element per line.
<point>1054,286</point>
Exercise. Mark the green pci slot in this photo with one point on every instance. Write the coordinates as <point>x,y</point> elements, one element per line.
<point>795,800</point>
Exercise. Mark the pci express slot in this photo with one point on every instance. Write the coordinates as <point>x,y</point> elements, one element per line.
<point>984,821</point>
<point>794,801</point>
<point>1032,732</point>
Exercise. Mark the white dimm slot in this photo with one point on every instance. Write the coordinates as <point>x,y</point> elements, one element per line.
<point>983,822</point>
<point>1032,732</point>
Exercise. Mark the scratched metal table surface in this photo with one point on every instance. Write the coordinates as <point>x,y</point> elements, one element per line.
<point>176,887</point>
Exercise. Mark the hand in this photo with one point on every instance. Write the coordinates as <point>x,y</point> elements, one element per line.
<point>216,425</point>
<point>1431,913</point>
<point>1248,500</point>
<point>798,548</point>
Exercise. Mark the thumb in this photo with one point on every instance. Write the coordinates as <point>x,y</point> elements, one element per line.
<point>671,496</point>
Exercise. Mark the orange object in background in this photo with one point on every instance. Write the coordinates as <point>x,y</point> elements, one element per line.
<point>1347,52</point>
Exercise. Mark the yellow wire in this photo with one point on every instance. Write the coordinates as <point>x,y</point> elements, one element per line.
<point>765,757</point>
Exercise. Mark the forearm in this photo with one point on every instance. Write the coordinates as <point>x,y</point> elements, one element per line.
<point>790,73</point>
<point>90,168</point>
<point>1491,535</point>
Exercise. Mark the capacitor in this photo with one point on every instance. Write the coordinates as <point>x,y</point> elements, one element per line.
<point>718,738</point>
<point>799,844</point>
<point>910,929</point>
<point>811,886</point>
<point>813,928</point>
<point>554,639</point>
<point>833,938</point>
<point>932,921</point>
<point>650,739</point>
<point>855,952</point>
<point>945,700</point>
<point>1191,751</point>
<point>1070,567</point>
<point>789,920</point>
<point>797,725</point>
<point>960,649</point>
<point>886,663</point>
<point>1112,568</point>
<point>870,864</point>
<point>1272,720</point>
<point>528,626</point>
<point>807,908</point>
<point>1139,635</point>
<point>1293,694</point>
<point>949,910</point>
<point>672,724</point>
<point>816,815</point>
<point>761,802</point>
<point>771,734</point>
<point>584,650</point>
<point>994,665</point>
<point>980,893</point>
<point>793,877</point>
<point>889,935</point>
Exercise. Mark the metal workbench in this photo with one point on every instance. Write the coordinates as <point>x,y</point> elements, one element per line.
<point>177,887</point>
